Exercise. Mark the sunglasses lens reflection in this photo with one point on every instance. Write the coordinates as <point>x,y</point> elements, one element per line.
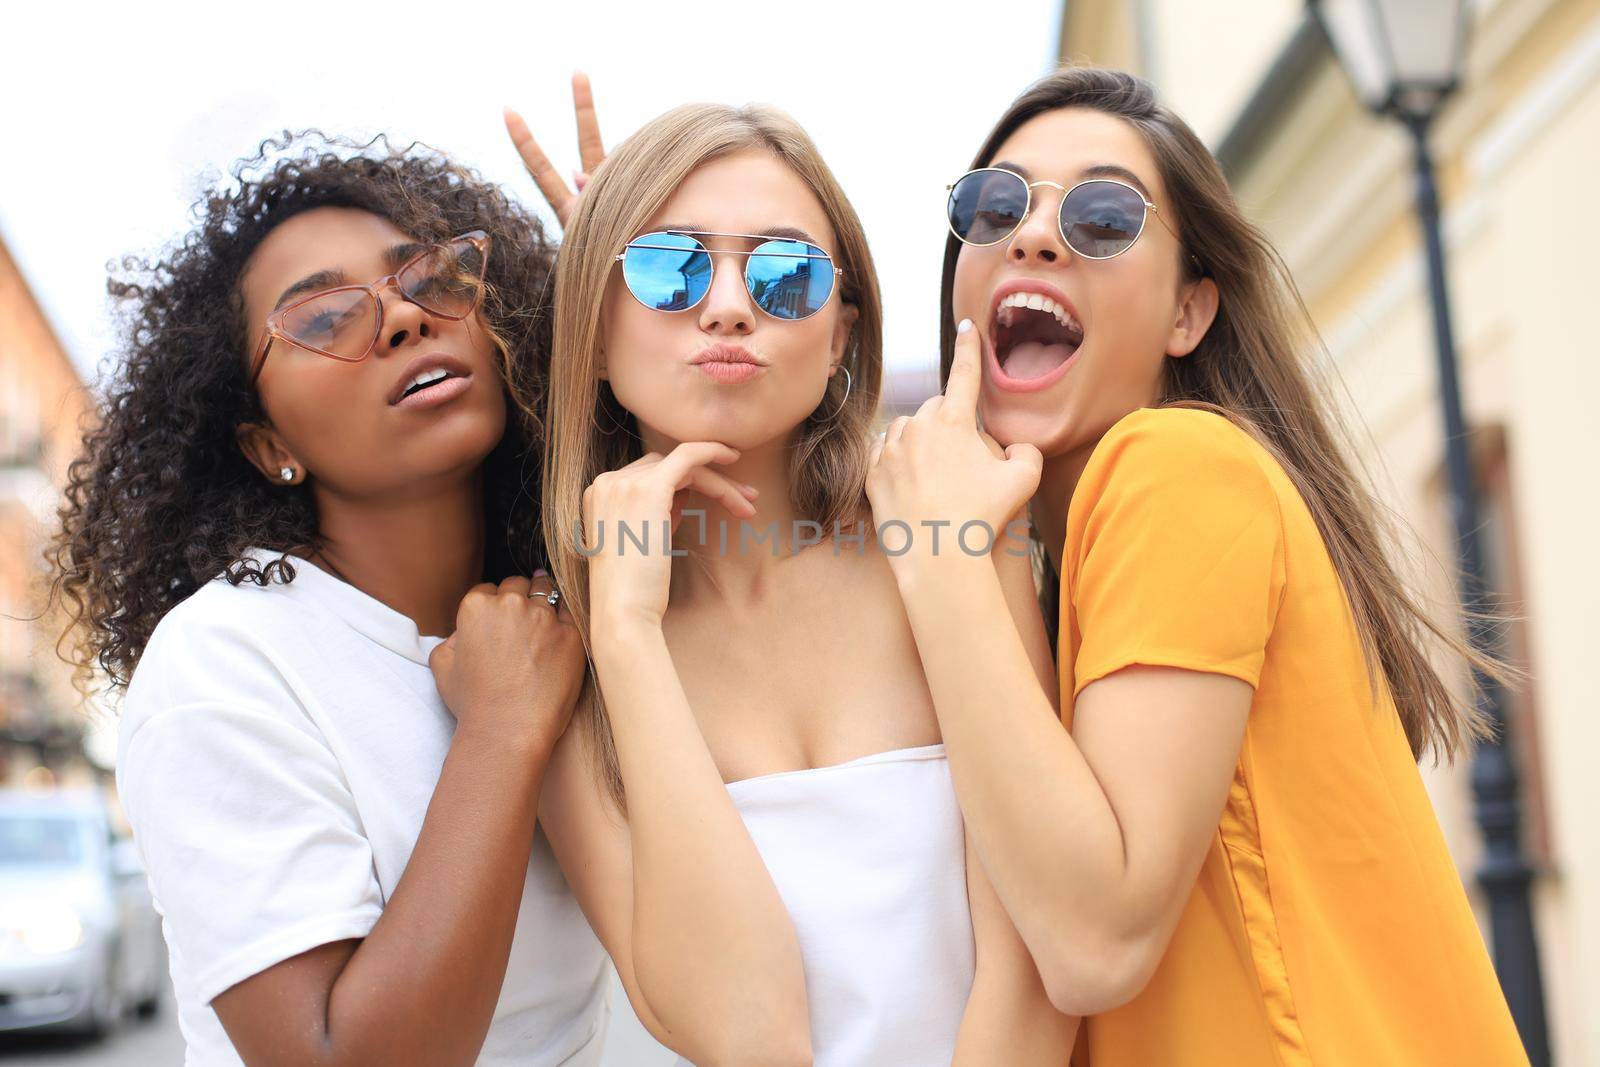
<point>1100,219</point>
<point>786,282</point>
<point>986,205</point>
<point>339,323</point>
<point>666,271</point>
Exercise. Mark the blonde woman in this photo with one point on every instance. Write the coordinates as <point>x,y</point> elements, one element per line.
<point>753,805</point>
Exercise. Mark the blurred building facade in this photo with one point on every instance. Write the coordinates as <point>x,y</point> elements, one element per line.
<point>1334,189</point>
<point>42,400</point>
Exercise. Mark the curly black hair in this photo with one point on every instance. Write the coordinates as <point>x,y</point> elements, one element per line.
<point>161,499</point>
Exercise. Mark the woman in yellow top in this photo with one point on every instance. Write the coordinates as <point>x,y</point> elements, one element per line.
<point>1229,857</point>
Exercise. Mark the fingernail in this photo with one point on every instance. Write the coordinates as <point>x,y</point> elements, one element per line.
<point>541,573</point>
<point>964,325</point>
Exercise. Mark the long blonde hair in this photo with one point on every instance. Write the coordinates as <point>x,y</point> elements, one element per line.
<point>589,432</point>
<point>1252,368</point>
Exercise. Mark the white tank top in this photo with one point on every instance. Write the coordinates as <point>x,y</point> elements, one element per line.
<point>869,857</point>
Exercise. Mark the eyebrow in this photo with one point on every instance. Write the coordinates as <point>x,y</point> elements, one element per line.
<point>1097,170</point>
<point>789,233</point>
<point>394,257</point>
<point>322,279</point>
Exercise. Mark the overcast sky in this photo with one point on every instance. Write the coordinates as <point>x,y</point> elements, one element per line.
<point>114,122</point>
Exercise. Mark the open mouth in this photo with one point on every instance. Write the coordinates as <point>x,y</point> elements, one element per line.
<point>1033,335</point>
<point>425,380</point>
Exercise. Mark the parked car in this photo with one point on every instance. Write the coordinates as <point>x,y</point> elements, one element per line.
<point>80,942</point>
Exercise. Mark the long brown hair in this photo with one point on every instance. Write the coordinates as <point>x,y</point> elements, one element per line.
<point>590,432</point>
<point>1253,367</point>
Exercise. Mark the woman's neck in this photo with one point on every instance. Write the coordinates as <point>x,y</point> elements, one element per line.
<point>418,552</point>
<point>1048,508</point>
<point>742,562</point>
<point>1058,481</point>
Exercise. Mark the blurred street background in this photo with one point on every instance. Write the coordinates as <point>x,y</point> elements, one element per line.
<point>155,1041</point>
<point>112,125</point>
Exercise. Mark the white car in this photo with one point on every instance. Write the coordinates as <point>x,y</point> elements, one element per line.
<point>80,943</point>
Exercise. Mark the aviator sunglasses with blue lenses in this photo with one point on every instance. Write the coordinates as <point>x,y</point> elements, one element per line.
<point>670,270</point>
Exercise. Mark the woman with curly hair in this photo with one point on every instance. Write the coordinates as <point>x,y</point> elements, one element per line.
<point>295,538</point>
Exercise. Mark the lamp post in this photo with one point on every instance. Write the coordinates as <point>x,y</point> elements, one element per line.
<point>1404,57</point>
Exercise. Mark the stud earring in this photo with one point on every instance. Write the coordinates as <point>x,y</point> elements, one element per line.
<point>287,474</point>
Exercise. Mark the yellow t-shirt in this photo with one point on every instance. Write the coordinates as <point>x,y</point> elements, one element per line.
<point>1329,925</point>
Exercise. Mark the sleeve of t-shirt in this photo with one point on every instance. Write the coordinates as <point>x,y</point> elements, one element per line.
<point>250,837</point>
<point>1174,549</point>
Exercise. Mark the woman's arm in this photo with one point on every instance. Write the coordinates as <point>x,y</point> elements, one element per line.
<point>1009,1018</point>
<point>713,946</point>
<point>1013,566</point>
<point>701,938</point>
<point>704,949</point>
<point>1093,838</point>
<point>421,987</point>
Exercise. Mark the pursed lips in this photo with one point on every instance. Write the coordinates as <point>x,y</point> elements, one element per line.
<point>722,352</point>
<point>727,363</point>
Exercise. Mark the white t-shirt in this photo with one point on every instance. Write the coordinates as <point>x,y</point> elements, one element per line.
<point>277,752</point>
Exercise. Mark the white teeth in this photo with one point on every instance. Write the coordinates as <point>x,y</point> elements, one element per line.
<point>1036,302</point>
<point>428,376</point>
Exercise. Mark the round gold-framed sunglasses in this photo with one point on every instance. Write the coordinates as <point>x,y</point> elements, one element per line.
<point>1099,218</point>
<point>345,322</point>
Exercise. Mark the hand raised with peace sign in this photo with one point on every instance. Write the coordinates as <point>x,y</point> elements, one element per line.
<point>937,465</point>
<point>590,151</point>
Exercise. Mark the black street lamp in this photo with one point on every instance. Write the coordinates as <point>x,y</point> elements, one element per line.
<point>1403,58</point>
